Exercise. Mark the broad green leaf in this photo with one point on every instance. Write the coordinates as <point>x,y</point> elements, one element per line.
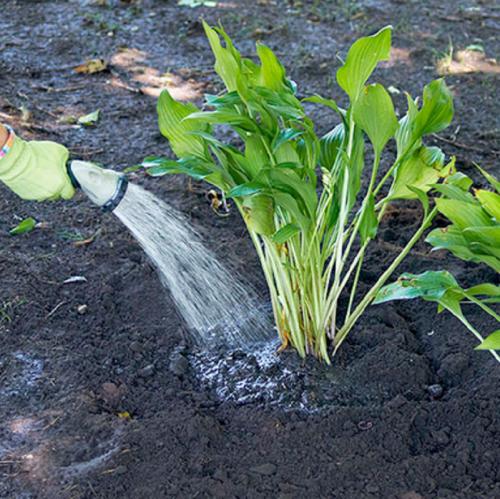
<point>460,180</point>
<point>485,235</point>
<point>171,119</point>
<point>490,178</point>
<point>462,214</point>
<point>446,238</point>
<point>486,289</point>
<point>412,171</point>
<point>25,226</point>
<point>286,153</point>
<point>492,342</point>
<point>330,145</point>
<point>430,285</point>
<point>369,221</point>
<point>192,166</point>
<point>361,60</point>
<point>288,203</point>
<point>226,66</point>
<point>244,190</point>
<point>272,70</point>
<point>374,114</point>
<point>432,156</point>
<point>437,109</point>
<point>223,118</point>
<point>255,154</point>
<point>422,196</point>
<point>490,202</point>
<point>259,214</point>
<point>405,138</point>
<point>285,233</point>
<point>454,192</point>
<point>284,136</point>
<point>317,99</point>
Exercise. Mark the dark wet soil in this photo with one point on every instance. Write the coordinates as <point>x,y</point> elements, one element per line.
<point>116,401</point>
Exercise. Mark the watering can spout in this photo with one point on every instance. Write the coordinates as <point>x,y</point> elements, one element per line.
<point>105,188</point>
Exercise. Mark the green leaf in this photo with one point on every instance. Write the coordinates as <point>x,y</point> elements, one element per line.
<point>490,202</point>
<point>485,235</point>
<point>285,233</point>
<point>284,136</point>
<point>431,286</point>
<point>272,70</point>
<point>317,99</point>
<point>248,189</point>
<point>437,109</point>
<point>486,289</point>
<point>454,192</point>
<point>406,140</point>
<point>490,178</point>
<point>369,221</point>
<point>492,342</point>
<point>226,65</point>
<point>25,226</point>
<point>374,114</point>
<point>422,196</point>
<point>259,214</point>
<point>171,119</point>
<point>330,145</point>
<point>89,119</point>
<point>223,118</point>
<point>462,214</point>
<point>412,172</point>
<point>361,60</point>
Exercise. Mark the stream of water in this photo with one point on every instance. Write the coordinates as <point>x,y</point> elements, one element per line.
<point>214,303</point>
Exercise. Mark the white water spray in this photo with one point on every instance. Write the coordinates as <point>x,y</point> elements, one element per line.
<point>214,304</point>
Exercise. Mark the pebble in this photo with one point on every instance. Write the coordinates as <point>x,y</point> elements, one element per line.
<point>179,365</point>
<point>120,470</point>
<point>82,309</point>
<point>266,469</point>
<point>147,371</point>
<point>135,346</point>
<point>435,391</point>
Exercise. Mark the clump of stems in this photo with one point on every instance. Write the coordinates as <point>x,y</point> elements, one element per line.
<point>300,195</point>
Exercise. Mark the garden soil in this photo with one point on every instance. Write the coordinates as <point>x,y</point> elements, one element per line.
<point>102,392</point>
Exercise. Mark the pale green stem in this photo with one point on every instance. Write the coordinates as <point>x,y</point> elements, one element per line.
<point>355,284</point>
<point>351,320</point>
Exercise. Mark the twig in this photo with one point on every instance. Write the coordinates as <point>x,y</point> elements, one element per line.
<point>87,153</point>
<point>55,309</point>
<point>54,90</point>
<point>118,82</point>
<point>465,146</point>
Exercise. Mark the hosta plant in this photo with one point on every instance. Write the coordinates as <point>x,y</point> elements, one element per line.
<point>474,235</point>
<point>301,195</point>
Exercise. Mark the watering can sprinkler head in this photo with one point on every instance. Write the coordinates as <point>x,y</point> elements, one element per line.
<point>105,188</point>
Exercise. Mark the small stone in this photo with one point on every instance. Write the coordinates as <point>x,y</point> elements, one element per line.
<point>435,391</point>
<point>147,371</point>
<point>441,437</point>
<point>267,469</point>
<point>135,346</point>
<point>179,365</point>
<point>372,489</point>
<point>120,470</point>
<point>82,309</point>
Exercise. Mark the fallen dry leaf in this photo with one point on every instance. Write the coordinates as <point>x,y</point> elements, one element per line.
<point>92,66</point>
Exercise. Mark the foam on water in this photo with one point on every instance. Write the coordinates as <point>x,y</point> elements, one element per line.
<point>212,301</point>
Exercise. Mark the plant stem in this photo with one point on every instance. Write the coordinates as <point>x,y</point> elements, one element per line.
<point>351,319</point>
